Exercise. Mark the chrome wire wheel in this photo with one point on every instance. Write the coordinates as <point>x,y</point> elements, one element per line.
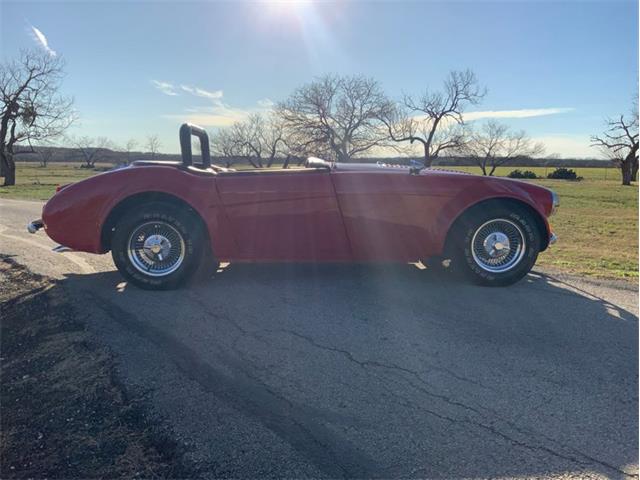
<point>156,248</point>
<point>498,245</point>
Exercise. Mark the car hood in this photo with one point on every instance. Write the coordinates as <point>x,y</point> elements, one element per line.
<point>390,168</point>
<point>454,182</point>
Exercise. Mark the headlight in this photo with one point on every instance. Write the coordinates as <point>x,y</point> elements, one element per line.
<point>555,202</point>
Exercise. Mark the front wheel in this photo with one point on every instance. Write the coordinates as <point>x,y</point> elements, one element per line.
<point>496,245</point>
<point>157,246</point>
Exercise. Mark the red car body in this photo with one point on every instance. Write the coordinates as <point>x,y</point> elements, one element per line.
<point>351,212</point>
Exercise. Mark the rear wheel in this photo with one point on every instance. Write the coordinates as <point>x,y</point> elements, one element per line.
<point>495,245</point>
<point>158,246</point>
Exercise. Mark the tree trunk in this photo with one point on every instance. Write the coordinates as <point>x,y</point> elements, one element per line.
<point>428,160</point>
<point>627,171</point>
<point>343,157</point>
<point>286,162</point>
<point>634,170</point>
<point>9,169</point>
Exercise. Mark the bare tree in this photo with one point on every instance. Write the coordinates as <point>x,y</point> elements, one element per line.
<point>153,145</point>
<point>129,147</point>
<point>31,109</point>
<point>247,137</point>
<point>494,145</point>
<point>45,154</point>
<point>239,142</point>
<point>91,149</point>
<point>341,113</point>
<point>435,118</point>
<point>297,149</point>
<point>620,143</point>
<point>257,140</point>
<point>272,137</point>
<point>223,144</point>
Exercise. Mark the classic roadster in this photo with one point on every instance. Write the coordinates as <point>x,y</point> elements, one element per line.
<point>164,220</point>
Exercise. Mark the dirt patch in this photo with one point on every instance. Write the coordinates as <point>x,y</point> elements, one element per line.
<point>64,412</point>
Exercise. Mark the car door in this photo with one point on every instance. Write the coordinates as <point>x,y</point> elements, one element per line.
<point>284,215</point>
<point>389,215</point>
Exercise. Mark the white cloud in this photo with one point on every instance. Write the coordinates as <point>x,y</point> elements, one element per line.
<point>266,103</point>
<point>522,113</point>
<point>500,114</point>
<point>165,87</point>
<point>568,146</point>
<point>201,92</point>
<point>217,115</point>
<point>42,41</point>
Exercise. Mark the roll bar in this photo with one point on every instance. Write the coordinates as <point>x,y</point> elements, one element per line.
<point>186,130</point>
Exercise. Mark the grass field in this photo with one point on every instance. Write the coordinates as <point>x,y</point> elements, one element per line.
<point>597,223</point>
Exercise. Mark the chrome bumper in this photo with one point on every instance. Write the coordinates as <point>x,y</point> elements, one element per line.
<point>34,226</point>
<point>553,239</point>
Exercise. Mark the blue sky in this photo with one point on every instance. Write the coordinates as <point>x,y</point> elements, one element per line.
<point>555,69</point>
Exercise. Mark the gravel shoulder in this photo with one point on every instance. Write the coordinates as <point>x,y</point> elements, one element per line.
<point>65,414</point>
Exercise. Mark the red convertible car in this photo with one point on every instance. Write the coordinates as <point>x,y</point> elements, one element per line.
<point>162,220</point>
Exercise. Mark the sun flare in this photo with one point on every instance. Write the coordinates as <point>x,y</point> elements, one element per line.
<point>285,8</point>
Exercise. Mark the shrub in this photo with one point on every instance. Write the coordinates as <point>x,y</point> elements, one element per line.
<point>564,174</point>
<point>521,174</point>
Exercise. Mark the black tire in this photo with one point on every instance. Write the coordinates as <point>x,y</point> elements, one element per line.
<point>209,265</point>
<point>181,231</point>
<point>484,222</point>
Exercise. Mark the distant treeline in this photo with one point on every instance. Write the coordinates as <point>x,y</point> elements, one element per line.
<point>514,162</point>
<point>64,154</point>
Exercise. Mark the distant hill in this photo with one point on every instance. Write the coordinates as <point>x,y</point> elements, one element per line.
<point>65,154</point>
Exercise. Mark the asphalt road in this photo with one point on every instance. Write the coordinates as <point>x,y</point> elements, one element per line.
<point>359,371</point>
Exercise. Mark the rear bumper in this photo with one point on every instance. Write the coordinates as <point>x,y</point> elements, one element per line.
<point>34,226</point>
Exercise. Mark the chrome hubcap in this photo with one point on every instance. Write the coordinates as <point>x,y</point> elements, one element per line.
<point>498,245</point>
<point>156,249</point>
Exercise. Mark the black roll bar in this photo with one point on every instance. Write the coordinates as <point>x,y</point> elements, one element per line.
<point>186,130</point>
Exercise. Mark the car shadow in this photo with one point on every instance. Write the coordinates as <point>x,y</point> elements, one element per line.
<point>380,371</point>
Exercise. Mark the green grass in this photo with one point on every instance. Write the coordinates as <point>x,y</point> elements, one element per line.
<point>37,183</point>
<point>597,223</point>
<point>588,173</point>
<point>597,227</point>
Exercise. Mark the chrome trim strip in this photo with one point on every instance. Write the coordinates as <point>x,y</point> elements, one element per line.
<point>62,249</point>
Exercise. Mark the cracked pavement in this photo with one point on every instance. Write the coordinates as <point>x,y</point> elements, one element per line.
<point>334,371</point>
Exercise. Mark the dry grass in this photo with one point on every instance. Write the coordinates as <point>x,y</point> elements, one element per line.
<point>64,413</point>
